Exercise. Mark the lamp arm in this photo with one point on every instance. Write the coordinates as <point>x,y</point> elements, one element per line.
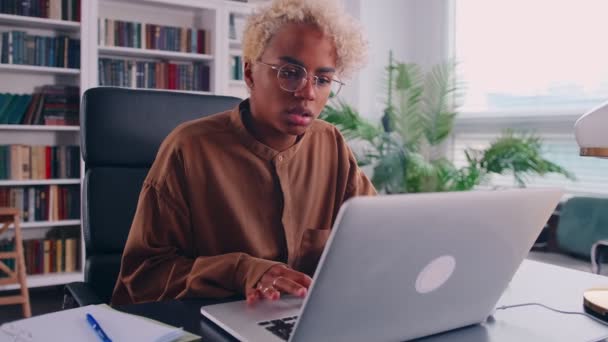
<point>595,254</point>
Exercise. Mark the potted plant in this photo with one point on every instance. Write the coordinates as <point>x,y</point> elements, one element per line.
<point>406,149</point>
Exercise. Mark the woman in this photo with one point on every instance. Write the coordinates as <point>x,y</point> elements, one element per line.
<point>242,202</point>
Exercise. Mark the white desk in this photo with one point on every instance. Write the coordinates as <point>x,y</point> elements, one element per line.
<point>557,287</point>
<point>554,286</point>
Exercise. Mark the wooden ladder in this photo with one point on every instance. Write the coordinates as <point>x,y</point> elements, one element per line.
<point>10,216</point>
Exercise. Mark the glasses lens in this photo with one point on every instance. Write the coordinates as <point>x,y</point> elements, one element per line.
<point>291,77</point>
<point>335,88</point>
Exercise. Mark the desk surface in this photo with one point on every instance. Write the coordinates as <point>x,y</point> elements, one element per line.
<point>557,287</point>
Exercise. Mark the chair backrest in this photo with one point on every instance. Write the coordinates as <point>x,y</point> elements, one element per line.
<point>582,222</point>
<point>121,130</point>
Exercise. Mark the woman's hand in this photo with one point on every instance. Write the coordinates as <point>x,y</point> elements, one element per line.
<point>279,279</point>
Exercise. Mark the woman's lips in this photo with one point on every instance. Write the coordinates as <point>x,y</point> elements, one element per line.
<point>299,116</point>
<point>299,119</point>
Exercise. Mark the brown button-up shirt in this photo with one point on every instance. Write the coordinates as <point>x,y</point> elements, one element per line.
<point>218,208</point>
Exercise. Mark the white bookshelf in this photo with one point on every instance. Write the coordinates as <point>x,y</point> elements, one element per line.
<point>149,53</point>
<point>50,128</point>
<point>44,224</point>
<point>34,182</point>
<point>179,91</point>
<point>233,45</point>
<point>210,15</point>
<point>192,92</point>
<point>38,69</point>
<point>237,83</point>
<point>47,279</point>
<point>41,224</point>
<point>193,14</point>
<point>25,79</point>
<point>38,23</point>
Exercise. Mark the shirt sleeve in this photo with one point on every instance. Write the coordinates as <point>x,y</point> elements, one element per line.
<point>161,260</point>
<point>358,184</point>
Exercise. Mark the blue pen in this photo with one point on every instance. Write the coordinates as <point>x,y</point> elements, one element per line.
<point>93,323</point>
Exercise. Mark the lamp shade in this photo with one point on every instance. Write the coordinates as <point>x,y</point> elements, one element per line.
<point>591,131</point>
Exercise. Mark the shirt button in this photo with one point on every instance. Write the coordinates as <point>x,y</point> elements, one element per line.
<point>280,159</point>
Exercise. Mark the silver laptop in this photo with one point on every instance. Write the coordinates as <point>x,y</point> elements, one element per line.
<point>400,267</point>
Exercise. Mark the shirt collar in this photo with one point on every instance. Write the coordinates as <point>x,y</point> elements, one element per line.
<point>249,141</point>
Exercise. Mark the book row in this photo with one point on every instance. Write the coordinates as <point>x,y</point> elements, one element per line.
<point>18,47</point>
<point>24,162</point>
<point>43,203</point>
<point>155,75</point>
<point>48,105</point>
<point>45,255</point>
<point>155,37</point>
<point>50,9</point>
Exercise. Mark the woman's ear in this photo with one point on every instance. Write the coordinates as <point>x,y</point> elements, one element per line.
<point>248,73</point>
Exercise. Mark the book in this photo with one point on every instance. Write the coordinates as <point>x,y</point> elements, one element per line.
<point>71,325</point>
<point>19,47</point>
<point>52,9</point>
<point>157,75</point>
<point>151,36</point>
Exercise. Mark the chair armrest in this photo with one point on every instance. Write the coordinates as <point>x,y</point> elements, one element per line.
<point>598,249</point>
<point>79,294</point>
<point>547,239</point>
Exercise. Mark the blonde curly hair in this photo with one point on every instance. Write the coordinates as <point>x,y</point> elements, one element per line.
<point>328,15</point>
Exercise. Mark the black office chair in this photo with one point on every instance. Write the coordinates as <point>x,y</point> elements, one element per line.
<point>121,130</point>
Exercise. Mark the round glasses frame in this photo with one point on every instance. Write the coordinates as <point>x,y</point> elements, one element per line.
<point>303,80</point>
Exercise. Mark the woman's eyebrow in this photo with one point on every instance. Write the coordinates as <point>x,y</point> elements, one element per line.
<point>296,61</point>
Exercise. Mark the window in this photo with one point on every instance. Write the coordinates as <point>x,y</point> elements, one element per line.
<point>591,173</point>
<point>542,59</point>
<point>522,55</point>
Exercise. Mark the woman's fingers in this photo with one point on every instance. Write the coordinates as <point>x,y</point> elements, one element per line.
<point>289,286</point>
<point>301,278</point>
<point>279,279</point>
<point>253,296</point>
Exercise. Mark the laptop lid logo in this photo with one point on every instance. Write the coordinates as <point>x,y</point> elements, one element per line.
<point>435,274</point>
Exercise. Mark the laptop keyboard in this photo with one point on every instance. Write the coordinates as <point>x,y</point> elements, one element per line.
<point>280,327</point>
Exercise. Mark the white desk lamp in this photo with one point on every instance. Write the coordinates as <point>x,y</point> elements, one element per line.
<point>591,131</point>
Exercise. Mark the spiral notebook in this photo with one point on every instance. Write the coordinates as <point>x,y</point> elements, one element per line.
<point>71,325</point>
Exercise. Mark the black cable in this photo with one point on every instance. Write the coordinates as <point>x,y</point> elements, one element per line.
<point>552,309</point>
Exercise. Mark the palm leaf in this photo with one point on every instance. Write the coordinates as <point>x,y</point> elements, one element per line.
<point>409,90</point>
<point>521,155</point>
<point>438,112</point>
<point>402,148</point>
<point>349,122</point>
<point>420,173</point>
<point>466,178</point>
<point>389,172</point>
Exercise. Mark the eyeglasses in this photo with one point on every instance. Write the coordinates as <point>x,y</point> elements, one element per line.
<point>293,77</point>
